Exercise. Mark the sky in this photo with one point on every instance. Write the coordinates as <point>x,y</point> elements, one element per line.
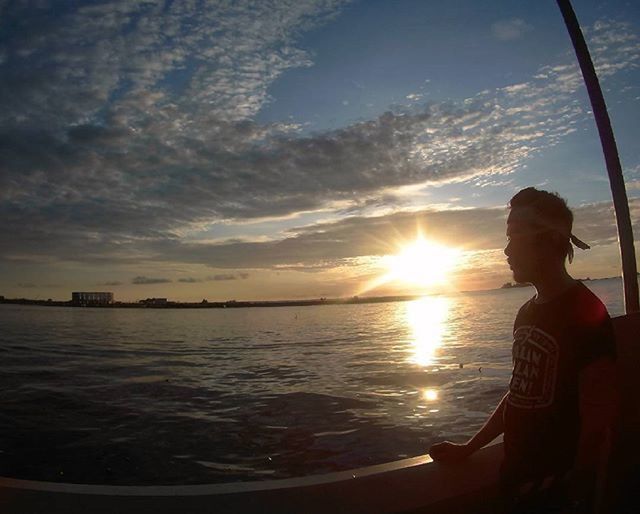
<point>257,150</point>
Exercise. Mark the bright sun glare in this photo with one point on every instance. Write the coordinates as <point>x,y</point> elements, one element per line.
<point>422,263</point>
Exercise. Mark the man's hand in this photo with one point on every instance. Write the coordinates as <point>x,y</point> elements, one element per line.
<point>450,452</point>
<point>454,452</point>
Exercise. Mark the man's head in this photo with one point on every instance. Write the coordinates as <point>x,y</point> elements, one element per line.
<point>539,234</point>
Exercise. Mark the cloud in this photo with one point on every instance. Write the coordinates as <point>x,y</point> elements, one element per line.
<point>509,30</point>
<point>66,63</point>
<point>142,280</point>
<point>227,276</point>
<point>125,126</point>
<point>31,285</point>
<point>189,280</point>
<point>330,245</point>
<point>111,283</point>
<point>216,278</point>
<point>348,241</point>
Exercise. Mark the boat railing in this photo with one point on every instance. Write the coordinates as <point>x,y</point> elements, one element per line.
<point>410,485</point>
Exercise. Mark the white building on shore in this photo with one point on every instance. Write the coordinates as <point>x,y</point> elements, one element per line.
<point>91,298</point>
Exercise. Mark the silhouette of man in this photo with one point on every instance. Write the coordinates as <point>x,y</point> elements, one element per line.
<point>562,399</point>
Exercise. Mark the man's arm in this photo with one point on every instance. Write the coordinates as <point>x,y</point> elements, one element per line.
<point>452,452</point>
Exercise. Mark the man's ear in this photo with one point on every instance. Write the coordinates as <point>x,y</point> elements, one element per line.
<point>552,241</point>
<point>560,242</point>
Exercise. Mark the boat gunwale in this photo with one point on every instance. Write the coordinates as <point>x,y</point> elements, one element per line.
<point>237,487</point>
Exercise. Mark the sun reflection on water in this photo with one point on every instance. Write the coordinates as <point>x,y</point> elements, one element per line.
<point>431,395</point>
<point>427,319</point>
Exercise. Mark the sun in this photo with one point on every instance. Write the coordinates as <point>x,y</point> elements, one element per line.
<point>422,263</point>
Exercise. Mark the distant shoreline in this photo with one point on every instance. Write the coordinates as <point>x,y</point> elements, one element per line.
<point>515,285</point>
<point>233,304</point>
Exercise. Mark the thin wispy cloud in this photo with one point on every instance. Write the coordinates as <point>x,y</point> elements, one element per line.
<point>142,280</point>
<point>346,242</point>
<point>221,277</point>
<point>189,280</point>
<point>228,276</point>
<point>508,30</point>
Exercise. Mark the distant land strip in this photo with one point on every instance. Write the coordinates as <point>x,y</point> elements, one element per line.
<point>230,304</point>
<point>234,304</point>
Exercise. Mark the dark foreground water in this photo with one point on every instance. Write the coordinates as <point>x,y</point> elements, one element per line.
<point>122,396</point>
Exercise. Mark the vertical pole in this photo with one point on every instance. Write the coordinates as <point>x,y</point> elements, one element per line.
<point>616,180</point>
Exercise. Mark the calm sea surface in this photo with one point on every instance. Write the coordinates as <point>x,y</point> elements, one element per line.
<point>152,396</point>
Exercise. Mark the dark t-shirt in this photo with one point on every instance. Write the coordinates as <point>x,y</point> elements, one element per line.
<point>552,343</point>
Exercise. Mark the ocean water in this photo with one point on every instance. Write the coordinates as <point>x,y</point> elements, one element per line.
<point>118,396</point>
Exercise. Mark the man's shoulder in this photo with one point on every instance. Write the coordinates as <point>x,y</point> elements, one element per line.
<point>585,292</point>
<point>596,328</point>
<point>578,306</point>
<point>587,307</point>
